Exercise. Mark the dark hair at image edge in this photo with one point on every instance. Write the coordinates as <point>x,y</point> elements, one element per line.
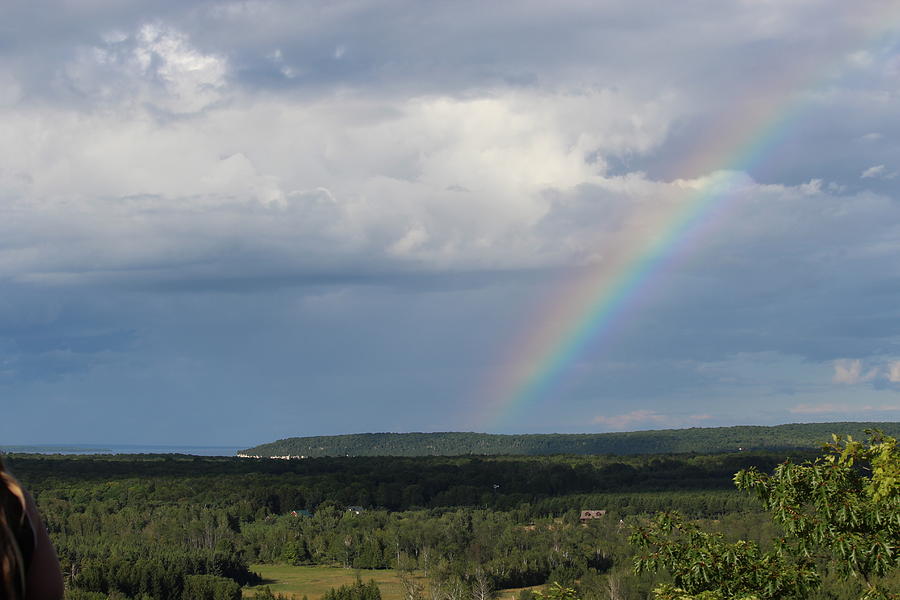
<point>12,571</point>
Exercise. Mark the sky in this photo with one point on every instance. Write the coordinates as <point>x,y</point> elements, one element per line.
<point>237,221</point>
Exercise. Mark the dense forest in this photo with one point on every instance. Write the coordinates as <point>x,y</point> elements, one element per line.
<point>704,440</point>
<point>154,526</point>
<point>149,527</point>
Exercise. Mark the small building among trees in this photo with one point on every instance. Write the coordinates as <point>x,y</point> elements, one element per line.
<point>587,515</point>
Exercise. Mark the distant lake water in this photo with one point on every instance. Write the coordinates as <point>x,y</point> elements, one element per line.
<point>121,449</point>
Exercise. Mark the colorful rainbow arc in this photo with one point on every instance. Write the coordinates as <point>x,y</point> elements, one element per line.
<point>590,308</point>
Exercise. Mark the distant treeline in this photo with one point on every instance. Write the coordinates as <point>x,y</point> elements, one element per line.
<point>701,440</point>
<point>546,483</point>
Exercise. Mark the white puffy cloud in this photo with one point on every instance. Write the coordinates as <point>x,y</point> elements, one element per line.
<point>154,66</point>
<point>447,182</point>
<point>851,372</point>
<point>854,371</point>
<point>871,172</point>
<point>893,373</point>
<point>878,172</point>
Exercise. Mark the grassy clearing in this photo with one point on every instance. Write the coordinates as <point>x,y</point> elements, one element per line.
<point>313,582</point>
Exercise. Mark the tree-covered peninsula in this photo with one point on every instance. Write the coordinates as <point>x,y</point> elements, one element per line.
<point>702,440</point>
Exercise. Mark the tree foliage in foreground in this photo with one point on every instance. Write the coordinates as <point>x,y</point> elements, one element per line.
<point>840,512</point>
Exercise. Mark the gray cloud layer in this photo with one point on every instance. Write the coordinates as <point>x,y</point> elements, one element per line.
<point>301,207</point>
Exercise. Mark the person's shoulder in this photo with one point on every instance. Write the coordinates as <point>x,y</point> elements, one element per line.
<point>44,578</point>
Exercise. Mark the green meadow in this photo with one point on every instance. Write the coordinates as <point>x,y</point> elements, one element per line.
<point>313,582</point>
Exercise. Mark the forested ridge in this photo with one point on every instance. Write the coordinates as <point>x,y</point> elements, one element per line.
<point>702,440</point>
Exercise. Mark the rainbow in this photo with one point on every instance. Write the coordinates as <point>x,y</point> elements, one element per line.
<point>589,308</point>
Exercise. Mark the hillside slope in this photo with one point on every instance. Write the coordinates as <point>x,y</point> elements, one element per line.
<point>707,439</point>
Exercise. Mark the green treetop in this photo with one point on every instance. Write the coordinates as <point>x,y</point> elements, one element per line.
<point>840,511</point>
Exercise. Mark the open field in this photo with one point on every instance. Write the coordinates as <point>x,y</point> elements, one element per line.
<point>313,582</point>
